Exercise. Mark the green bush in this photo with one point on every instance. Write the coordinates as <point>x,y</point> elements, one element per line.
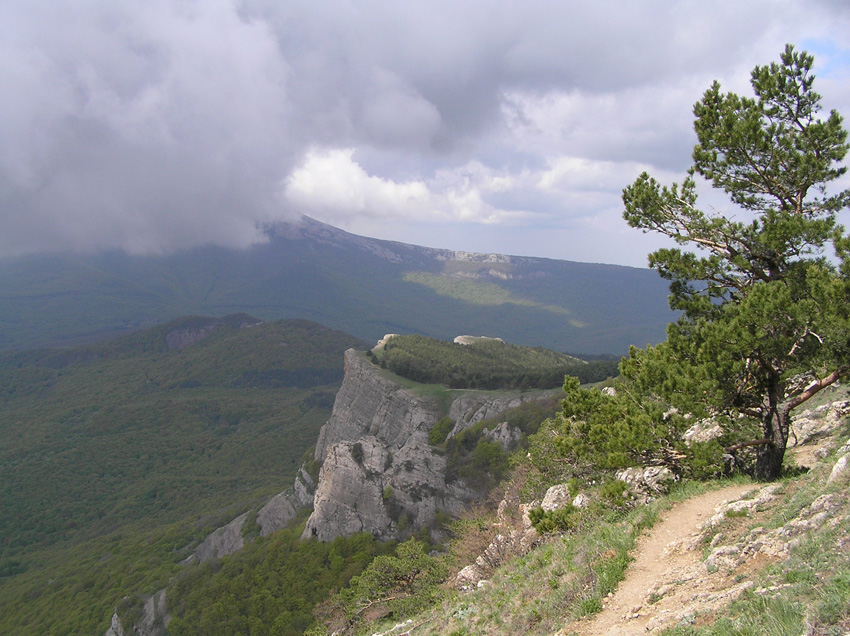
<point>440,432</point>
<point>562,519</point>
<point>615,493</point>
<point>399,585</point>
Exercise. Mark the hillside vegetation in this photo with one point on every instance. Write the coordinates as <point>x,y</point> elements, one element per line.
<point>116,457</point>
<point>485,363</point>
<point>763,331</point>
<point>361,286</point>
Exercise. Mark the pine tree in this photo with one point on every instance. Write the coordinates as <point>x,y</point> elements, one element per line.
<point>762,301</point>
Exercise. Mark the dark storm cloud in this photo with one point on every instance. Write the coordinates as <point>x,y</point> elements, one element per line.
<point>154,125</point>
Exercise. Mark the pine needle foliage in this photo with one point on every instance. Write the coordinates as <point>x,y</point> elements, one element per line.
<point>761,301</point>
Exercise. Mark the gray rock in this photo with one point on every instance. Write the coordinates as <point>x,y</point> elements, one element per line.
<point>647,481</point>
<point>378,472</point>
<point>725,557</point>
<point>468,410</point>
<point>505,434</point>
<point>304,489</point>
<point>840,469</point>
<point>469,577</point>
<point>349,497</point>
<point>370,403</point>
<point>556,497</point>
<point>155,619</point>
<point>226,540</point>
<point>279,511</point>
<point>815,424</point>
<point>468,340</point>
<point>115,627</point>
<point>702,431</point>
<point>581,501</point>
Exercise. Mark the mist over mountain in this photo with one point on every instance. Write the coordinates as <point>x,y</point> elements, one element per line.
<point>363,286</point>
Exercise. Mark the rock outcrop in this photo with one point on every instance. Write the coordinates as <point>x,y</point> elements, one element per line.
<point>379,474</point>
<point>274,515</point>
<point>226,540</point>
<point>153,622</point>
<point>284,506</point>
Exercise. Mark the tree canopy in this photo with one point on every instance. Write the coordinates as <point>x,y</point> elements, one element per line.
<point>486,363</point>
<point>762,299</point>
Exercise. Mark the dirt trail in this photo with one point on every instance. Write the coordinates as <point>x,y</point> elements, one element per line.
<point>668,571</point>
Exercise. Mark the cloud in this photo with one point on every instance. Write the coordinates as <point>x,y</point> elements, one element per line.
<point>152,126</point>
<point>331,182</point>
<point>146,126</point>
<point>331,185</point>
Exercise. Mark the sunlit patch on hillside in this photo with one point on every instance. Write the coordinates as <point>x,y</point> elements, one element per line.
<point>481,293</point>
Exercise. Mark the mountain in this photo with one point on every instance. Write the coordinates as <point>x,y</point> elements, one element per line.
<point>362,286</point>
<point>381,471</point>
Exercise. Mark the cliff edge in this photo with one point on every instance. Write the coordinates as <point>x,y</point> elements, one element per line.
<point>379,474</point>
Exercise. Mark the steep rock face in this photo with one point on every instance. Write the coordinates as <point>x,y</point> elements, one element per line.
<point>379,473</point>
<point>368,403</point>
<point>273,516</point>
<point>284,506</point>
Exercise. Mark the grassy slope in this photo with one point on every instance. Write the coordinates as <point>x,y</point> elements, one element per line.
<point>566,578</point>
<point>114,457</point>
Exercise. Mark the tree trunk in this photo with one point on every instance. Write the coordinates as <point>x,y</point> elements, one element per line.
<point>769,462</point>
<point>777,419</point>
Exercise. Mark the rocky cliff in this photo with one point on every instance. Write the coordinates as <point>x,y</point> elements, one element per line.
<point>379,474</point>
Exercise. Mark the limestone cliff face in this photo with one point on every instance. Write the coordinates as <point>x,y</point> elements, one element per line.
<point>368,403</point>
<point>379,474</point>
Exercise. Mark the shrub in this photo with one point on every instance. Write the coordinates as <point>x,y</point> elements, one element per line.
<point>562,519</point>
<point>440,432</point>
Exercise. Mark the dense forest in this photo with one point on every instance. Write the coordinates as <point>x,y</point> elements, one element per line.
<point>270,587</point>
<point>485,363</point>
<point>117,457</point>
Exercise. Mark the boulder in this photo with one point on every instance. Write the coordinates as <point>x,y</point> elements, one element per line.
<point>558,496</point>
<point>647,481</point>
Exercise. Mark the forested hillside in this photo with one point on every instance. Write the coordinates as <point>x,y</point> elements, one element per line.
<point>361,286</point>
<point>115,458</point>
<point>485,363</point>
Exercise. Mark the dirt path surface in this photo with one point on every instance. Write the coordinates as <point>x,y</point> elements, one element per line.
<point>667,580</point>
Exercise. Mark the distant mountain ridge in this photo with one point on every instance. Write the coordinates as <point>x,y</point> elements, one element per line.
<point>365,287</point>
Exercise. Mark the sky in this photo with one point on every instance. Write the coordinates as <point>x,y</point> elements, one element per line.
<point>506,126</point>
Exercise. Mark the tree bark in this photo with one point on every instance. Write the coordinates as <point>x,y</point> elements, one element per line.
<point>775,424</point>
<point>769,462</point>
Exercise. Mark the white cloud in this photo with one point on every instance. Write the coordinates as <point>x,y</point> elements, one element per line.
<point>330,185</point>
